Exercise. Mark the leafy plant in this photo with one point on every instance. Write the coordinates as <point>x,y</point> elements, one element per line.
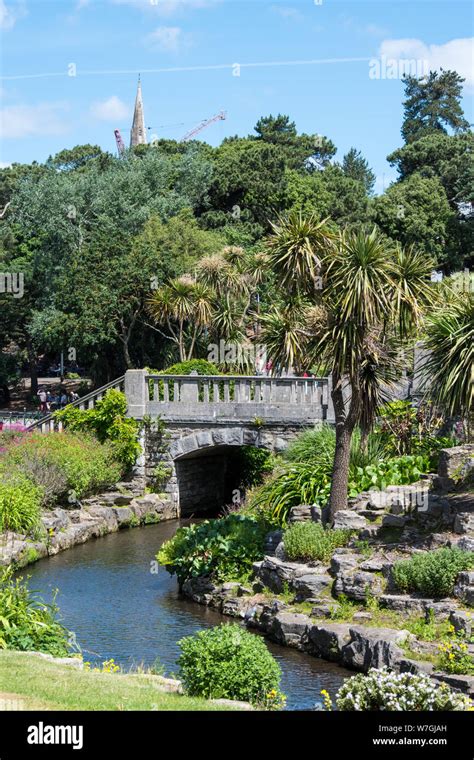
<point>228,662</point>
<point>223,548</point>
<point>20,503</point>
<point>432,573</point>
<point>454,657</point>
<point>26,622</point>
<point>107,421</point>
<point>384,690</point>
<point>309,541</point>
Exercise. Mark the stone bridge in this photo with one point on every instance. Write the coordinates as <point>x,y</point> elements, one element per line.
<point>208,418</point>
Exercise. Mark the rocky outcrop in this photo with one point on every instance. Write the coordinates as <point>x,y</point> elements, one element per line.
<point>374,648</point>
<point>97,516</point>
<point>277,575</point>
<point>359,585</point>
<point>464,588</point>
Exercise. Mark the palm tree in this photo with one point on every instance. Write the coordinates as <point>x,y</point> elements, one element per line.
<point>184,307</point>
<point>372,296</point>
<point>449,369</point>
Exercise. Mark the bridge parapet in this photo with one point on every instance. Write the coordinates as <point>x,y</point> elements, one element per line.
<point>234,397</point>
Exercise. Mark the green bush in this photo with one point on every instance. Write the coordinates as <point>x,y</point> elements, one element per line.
<point>308,541</point>
<point>20,502</point>
<point>201,366</point>
<point>228,662</point>
<point>26,622</point>
<point>305,477</point>
<point>85,465</point>
<point>107,421</point>
<point>224,549</point>
<point>432,573</point>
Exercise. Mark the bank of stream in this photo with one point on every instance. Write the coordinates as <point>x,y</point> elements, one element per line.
<point>118,608</point>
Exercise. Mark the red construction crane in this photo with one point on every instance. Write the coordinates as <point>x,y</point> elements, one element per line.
<point>119,141</point>
<point>205,123</point>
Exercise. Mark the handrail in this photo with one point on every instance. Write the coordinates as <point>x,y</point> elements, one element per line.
<point>80,401</point>
<point>216,378</point>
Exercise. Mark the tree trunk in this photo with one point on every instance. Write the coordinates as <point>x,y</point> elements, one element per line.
<point>32,362</point>
<point>345,423</point>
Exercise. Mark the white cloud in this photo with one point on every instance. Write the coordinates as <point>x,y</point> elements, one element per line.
<point>457,55</point>
<point>287,11</point>
<point>167,7</point>
<point>112,109</point>
<point>11,13</point>
<point>5,164</point>
<point>166,38</point>
<point>27,121</point>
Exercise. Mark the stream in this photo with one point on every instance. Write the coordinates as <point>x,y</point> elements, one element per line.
<point>119,609</point>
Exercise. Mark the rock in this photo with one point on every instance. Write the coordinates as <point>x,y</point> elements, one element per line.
<point>415,605</point>
<point>55,520</point>
<point>290,629</point>
<point>316,514</point>
<point>361,616</point>
<point>379,500</point>
<point>464,523</point>
<point>343,561</point>
<point>393,521</point>
<point>462,622</point>
<point>464,588</point>
<point>272,540</point>
<point>323,610</point>
<point>233,703</point>
<point>374,648</point>
<point>310,585</point>
<point>464,684</point>
<point>369,532</point>
<point>440,609</point>
<point>374,565</point>
<point>236,607</point>
<point>358,585</point>
<point>275,573</point>
<point>456,464</point>
<point>415,666</point>
<point>199,589</point>
<point>300,514</point>
<point>466,544</point>
<point>345,518</point>
<point>280,551</point>
<point>123,515</point>
<point>327,640</point>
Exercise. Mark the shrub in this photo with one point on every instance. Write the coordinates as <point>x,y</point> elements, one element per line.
<point>227,662</point>
<point>432,573</point>
<point>454,657</point>
<point>84,464</point>
<point>20,503</point>
<point>382,690</point>
<point>223,548</point>
<point>305,478</point>
<point>310,541</point>
<point>26,622</point>
<point>107,421</point>
<point>201,366</point>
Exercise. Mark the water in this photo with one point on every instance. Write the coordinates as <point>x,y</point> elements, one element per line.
<point>119,609</point>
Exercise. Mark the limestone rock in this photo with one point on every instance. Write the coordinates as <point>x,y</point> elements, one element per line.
<point>358,585</point>
<point>290,628</point>
<point>374,648</point>
<point>464,588</point>
<point>327,640</point>
<point>343,561</point>
<point>346,518</point>
<point>310,585</point>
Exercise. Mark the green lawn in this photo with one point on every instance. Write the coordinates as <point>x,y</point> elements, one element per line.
<point>29,682</point>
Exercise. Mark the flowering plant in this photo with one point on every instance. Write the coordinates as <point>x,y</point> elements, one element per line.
<point>381,689</point>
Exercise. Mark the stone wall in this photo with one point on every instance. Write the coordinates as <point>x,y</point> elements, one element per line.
<point>195,458</point>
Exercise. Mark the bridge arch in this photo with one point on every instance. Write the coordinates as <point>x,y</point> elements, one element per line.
<point>205,465</point>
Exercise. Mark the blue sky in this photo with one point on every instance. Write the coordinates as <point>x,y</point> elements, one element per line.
<point>44,109</point>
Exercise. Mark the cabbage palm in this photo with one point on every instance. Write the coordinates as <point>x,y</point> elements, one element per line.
<point>449,368</point>
<point>373,294</point>
<point>184,307</point>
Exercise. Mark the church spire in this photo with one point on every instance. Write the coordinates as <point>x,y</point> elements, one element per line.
<point>138,131</point>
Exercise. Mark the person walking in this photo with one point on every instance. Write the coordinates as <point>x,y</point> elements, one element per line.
<point>43,397</point>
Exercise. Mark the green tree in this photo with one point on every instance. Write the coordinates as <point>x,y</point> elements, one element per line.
<point>432,104</point>
<point>416,211</point>
<point>354,165</point>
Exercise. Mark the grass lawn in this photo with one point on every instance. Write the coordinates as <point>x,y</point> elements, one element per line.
<point>29,682</point>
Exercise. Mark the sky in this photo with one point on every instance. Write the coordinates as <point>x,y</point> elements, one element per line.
<point>69,69</point>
